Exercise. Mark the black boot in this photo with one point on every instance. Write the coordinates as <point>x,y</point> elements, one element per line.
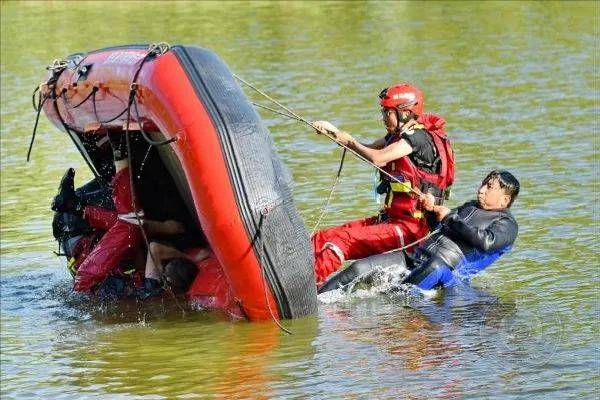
<point>66,200</point>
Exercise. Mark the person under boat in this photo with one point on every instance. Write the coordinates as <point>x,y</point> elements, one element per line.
<point>100,241</point>
<point>417,154</point>
<point>169,267</point>
<point>469,239</point>
<point>165,268</point>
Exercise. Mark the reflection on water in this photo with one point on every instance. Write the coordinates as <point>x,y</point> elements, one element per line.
<point>517,82</point>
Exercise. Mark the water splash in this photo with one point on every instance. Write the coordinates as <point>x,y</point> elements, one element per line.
<point>387,280</point>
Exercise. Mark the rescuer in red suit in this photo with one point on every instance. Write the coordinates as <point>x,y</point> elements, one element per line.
<point>122,243</point>
<point>416,152</point>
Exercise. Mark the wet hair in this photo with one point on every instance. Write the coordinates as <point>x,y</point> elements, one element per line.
<point>507,182</point>
<point>180,274</point>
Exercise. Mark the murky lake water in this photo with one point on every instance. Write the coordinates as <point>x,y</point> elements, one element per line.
<point>519,86</point>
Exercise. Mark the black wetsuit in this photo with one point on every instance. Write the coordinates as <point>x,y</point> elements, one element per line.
<point>469,240</point>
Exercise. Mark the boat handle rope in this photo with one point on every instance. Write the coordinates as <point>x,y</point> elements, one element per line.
<point>167,284</point>
<point>82,149</point>
<point>57,67</point>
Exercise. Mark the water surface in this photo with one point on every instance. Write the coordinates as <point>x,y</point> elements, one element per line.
<point>518,84</point>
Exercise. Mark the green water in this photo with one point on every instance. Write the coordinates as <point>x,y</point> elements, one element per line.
<point>519,86</point>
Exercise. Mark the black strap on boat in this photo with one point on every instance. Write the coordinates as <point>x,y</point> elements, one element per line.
<point>96,111</point>
<point>89,96</point>
<point>261,250</point>
<point>144,134</point>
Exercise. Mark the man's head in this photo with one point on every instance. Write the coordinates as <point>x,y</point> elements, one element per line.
<point>400,104</point>
<point>180,274</point>
<point>498,190</point>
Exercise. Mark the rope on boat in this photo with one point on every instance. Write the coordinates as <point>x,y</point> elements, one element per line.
<point>38,109</point>
<point>144,134</point>
<point>57,67</point>
<point>137,214</point>
<point>293,115</point>
<point>326,204</point>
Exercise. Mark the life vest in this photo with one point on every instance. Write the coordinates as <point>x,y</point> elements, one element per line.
<point>399,202</point>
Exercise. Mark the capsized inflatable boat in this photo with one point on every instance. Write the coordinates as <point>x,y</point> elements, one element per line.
<point>203,157</point>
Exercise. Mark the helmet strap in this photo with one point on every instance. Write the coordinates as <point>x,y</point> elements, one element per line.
<point>402,121</point>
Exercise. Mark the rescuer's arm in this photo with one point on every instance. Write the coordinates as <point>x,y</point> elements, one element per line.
<point>166,228</point>
<point>378,156</point>
<point>377,145</point>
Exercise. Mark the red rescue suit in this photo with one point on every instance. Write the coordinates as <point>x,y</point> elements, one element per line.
<point>101,220</point>
<point>211,290</point>
<point>401,221</point>
<point>119,244</point>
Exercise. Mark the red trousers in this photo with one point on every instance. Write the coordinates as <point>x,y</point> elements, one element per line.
<point>362,238</point>
<point>118,245</point>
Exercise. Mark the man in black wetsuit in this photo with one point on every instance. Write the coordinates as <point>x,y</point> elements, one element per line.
<point>469,239</point>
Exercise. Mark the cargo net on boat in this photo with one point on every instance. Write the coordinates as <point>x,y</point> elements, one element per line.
<point>155,188</point>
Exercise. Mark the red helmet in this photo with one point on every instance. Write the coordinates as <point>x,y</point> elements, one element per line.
<point>402,96</point>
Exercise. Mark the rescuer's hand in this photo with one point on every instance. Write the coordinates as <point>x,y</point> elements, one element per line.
<point>427,201</point>
<point>324,127</point>
<point>344,138</point>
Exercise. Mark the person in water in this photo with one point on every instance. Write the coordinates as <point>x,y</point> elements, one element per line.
<point>98,255</point>
<point>417,154</point>
<point>469,239</point>
<point>169,267</point>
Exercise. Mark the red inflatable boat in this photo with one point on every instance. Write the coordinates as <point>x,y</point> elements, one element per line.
<point>204,156</point>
